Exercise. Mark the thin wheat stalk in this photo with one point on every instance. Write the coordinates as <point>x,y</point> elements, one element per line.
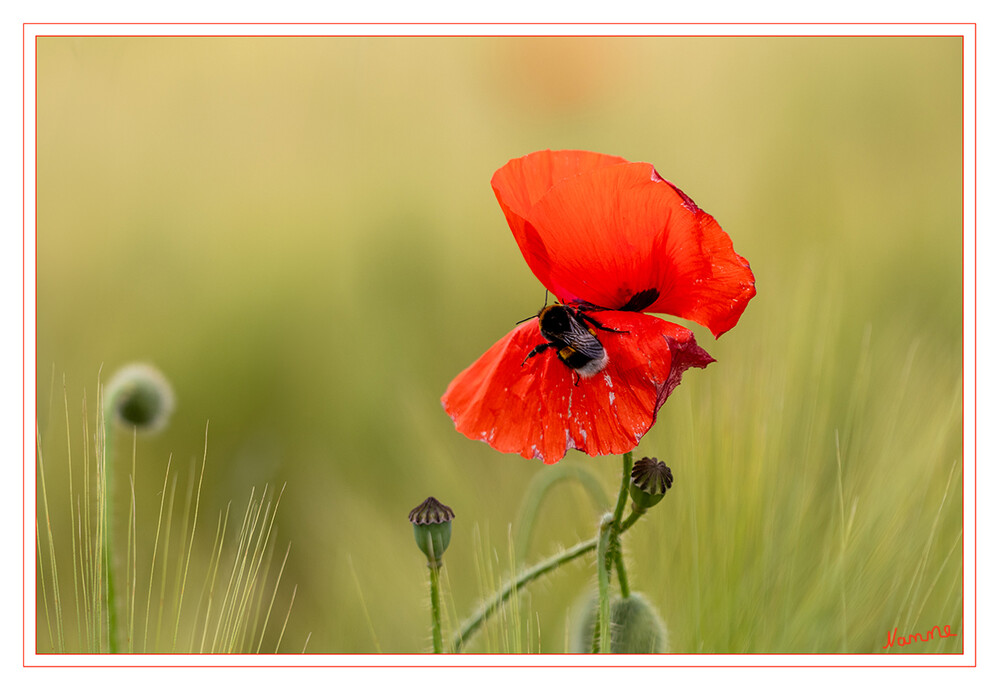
<point>263,538</point>
<point>54,567</point>
<point>843,536</point>
<point>90,570</point>
<point>190,544</point>
<point>166,559</point>
<point>924,559</point>
<point>72,526</point>
<point>41,583</point>
<point>213,569</point>
<point>241,538</point>
<point>130,566</point>
<point>364,606</point>
<point>250,631</point>
<point>244,579</point>
<point>84,558</point>
<point>152,563</point>
<point>270,606</point>
<point>277,646</point>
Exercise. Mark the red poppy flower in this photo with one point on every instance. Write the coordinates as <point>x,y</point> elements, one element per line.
<point>610,239</point>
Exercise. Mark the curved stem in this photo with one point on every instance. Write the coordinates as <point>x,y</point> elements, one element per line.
<point>539,487</point>
<point>490,607</point>
<point>475,621</point>
<point>615,524</point>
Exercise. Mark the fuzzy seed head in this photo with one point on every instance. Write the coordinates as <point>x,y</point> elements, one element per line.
<point>140,397</point>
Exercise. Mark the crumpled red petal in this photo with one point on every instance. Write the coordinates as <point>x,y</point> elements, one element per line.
<point>538,410</point>
<point>598,229</point>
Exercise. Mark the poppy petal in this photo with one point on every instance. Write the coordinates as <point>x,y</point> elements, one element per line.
<point>540,408</point>
<point>600,230</point>
<point>523,181</point>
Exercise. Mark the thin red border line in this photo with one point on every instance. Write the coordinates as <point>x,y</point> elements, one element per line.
<point>974,311</point>
<point>496,36</point>
<point>24,354</point>
<point>382,23</point>
<point>532,666</point>
<point>236,655</point>
<point>973,27</point>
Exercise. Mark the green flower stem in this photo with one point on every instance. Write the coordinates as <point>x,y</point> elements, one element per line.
<point>475,621</point>
<point>540,486</point>
<point>632,519</point>
<point>622,576</point>
<point>435,607</point>
<point>601,632</point>
<point>610,556</point>
<point>108,542</point>
<point>493,605</point>
<point>622,496</point>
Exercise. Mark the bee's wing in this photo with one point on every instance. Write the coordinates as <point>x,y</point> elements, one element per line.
<point>582,341</point>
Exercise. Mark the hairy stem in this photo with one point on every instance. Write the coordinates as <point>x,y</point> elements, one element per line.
<point>632,519</point>
<point>601,632</point>
<point>435,607</point>
<point>490,607</point>
<point>475,621</point>
<point>622,496</point>
<point>622,576</point>
<point>609,555</point>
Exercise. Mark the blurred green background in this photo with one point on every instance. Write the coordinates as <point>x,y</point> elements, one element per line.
<point>301,234</point>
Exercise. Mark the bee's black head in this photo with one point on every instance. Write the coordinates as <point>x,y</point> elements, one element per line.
<point>554,318</point>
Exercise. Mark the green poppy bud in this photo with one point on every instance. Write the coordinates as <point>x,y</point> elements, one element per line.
<point>635,627</point>
<point>139,397</point>
<point>650,479</point>
<point>432,529</point>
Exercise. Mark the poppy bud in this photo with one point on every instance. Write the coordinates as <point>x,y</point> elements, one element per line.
<point>432,529</point>
<point>635,627</point>
<point>140,397</point>
<point>650,479</point>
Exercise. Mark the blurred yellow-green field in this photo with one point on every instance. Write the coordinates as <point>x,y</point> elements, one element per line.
<point>300,233</point>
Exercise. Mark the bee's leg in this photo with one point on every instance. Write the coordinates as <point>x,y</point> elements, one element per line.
<point>596,324</point>
<point>536,351</point>
<point>577,377</point>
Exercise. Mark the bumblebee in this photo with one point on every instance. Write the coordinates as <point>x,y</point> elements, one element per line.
<point>573,335</point>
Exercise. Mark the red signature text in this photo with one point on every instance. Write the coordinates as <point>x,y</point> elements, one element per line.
<point>894,639</point>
